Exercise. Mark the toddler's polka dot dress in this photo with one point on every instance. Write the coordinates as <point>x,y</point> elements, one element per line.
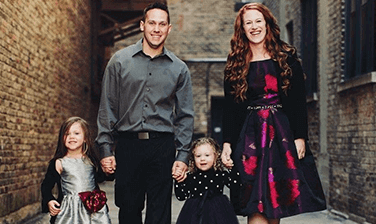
<point>206,202</point>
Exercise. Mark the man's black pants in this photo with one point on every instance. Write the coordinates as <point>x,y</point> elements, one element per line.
<point>143,168</point>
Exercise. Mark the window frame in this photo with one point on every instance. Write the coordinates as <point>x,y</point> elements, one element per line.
<point>358,61</point>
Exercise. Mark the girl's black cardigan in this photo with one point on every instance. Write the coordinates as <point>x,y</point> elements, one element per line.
<point>293,104</point>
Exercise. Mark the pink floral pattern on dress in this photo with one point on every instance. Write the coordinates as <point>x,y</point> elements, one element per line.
<point>263,113</point>
<point>271,83</point>
<point>294,188</point>
<point>250,165</point>
<point>290,161</point>
<point>273,191</point>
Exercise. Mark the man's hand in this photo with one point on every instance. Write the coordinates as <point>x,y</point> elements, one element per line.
<point>300,147</point>
<point>108,164</point>
<point>53,207</point>
<point>226,155</point>
<point>179,171</point>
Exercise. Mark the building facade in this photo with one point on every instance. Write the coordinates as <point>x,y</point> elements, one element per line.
<point>45,77</point>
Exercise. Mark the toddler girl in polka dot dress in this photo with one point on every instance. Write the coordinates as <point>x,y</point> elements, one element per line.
<point>203,187</point>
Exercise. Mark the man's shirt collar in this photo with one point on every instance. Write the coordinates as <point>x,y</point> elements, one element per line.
<point>138,49</point>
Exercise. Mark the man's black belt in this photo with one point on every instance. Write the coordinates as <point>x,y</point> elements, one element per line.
<point>143,134</point>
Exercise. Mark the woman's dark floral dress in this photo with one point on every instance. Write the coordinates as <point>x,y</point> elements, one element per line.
<point>275,182</point>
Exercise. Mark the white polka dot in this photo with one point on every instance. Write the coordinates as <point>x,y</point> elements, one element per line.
<point>234,181</point>
<point>217,186</point>
<point>205,176</point>
<point>199,182</point>
<point>200,194</point>
<point>206,187</point>
<point>194,177</point>
<point>211,181</point>
<point>217,174</point>
<point>195,189</point>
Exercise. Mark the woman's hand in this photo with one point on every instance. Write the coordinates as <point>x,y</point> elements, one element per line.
<point>300,147</point>
<point>53,207</point>
<point>226,155</point>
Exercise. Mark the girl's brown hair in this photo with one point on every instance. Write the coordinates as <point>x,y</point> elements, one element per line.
<point>217,153</point>
<point>87,148</point>
<point>238,60</point>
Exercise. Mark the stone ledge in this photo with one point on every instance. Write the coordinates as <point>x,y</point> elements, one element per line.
<point>357,81</point>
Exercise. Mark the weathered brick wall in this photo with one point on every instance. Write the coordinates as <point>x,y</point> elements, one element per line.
<point>353,155</point>
<point>44,78</point>
<point>338,188</point>
<point>201,28</point>
<point>351,133</point>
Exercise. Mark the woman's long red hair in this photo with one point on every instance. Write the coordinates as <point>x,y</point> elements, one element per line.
<point>238,60</point>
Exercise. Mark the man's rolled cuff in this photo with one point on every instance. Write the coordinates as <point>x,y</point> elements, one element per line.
<point>183,156</point>
<point>105,150</point>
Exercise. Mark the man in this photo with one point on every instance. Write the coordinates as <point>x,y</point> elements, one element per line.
<point>147,109</point>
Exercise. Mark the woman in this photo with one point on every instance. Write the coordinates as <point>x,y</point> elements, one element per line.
<point>265,122</point>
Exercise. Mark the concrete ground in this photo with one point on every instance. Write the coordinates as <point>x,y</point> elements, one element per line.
<point>323,217</point>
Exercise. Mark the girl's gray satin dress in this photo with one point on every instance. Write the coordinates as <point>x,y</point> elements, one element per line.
<point>78,176</point>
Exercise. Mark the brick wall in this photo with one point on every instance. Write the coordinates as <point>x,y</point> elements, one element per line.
<point>353,154</point>
<point>341,123</point>
<point>201,28</point>
<point>44,78</point>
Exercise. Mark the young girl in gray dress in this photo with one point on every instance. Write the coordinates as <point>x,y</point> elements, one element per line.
<point>76,171</point>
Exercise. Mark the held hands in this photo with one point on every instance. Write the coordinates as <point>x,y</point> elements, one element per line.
<point>226,153</point>
<point>53,207</point>
<point>300,147</point>
<point>179,171</point>
<point>108,164</point>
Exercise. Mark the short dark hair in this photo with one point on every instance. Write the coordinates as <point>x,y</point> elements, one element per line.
<point>157,5</point>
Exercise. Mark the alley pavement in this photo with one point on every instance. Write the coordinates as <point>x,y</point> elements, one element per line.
<point>323,217</point>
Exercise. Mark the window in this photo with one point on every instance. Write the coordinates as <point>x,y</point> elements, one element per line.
<point>360,54</point>
<point>309,44</point>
